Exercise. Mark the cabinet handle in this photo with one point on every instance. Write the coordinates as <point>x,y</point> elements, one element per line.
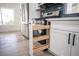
<point>73,39</point>
<point>69,38</point>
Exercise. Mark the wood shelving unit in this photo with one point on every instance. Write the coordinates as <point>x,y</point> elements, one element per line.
<point>38,49</point>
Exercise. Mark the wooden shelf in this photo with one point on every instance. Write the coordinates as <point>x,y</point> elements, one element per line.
<point>39,27</point>
<point>40,48</point>
<point>41,37</point>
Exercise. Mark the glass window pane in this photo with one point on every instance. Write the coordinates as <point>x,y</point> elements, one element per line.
<point>7,16</point>
<point>0,18</point>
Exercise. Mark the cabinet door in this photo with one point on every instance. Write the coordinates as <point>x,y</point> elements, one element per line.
<point>59,43</point>
<point>75,47</point>
<point>23,29</point>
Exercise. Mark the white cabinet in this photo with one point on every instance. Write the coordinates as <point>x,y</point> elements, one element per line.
<point>32,11</point>
<point>75,45</point>
<point>59,43</point>
<point>24,12</point>
<point>24,20</point>
<point>24,29</point>
<point>64,43</point>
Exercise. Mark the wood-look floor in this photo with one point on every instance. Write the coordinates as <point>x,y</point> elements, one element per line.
<point>13,44</point>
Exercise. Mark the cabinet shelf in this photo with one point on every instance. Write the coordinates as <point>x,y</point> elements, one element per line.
<point>41,37</point>
<point>40,48</point>
<point>39,27</point>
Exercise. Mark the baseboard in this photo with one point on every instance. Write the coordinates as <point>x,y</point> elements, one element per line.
<point>10,31</point>
<point>52,52</point>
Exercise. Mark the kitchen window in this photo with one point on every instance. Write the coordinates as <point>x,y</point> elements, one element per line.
<point>6,16</point>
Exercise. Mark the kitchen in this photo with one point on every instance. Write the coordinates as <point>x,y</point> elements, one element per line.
<point>39,29</point>
<point>63,22</point>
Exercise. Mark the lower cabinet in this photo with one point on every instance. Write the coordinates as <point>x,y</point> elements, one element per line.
<point>64,43</point>
<point>24,29</point>
<point>75,45</point>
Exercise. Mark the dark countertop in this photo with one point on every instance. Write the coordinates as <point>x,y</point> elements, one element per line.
<point>61,16</point>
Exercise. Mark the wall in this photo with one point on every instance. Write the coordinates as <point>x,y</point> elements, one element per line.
<point>16,26</point>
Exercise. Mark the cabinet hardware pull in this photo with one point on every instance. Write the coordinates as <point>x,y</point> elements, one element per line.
<point>73,39</point>
<point>69,38</point>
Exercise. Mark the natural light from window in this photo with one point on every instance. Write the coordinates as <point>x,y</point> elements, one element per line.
<point>6,16</point>
<point>0,19</point>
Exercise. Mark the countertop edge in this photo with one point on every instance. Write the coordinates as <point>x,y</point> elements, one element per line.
<point>64,19</point>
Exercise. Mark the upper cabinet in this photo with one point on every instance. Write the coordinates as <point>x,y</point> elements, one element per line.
<point>24,12</point>
<point>33,13</point>
<point>71,8</point>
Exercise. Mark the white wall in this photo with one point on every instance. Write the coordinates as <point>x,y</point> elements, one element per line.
<point>16,26</point>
